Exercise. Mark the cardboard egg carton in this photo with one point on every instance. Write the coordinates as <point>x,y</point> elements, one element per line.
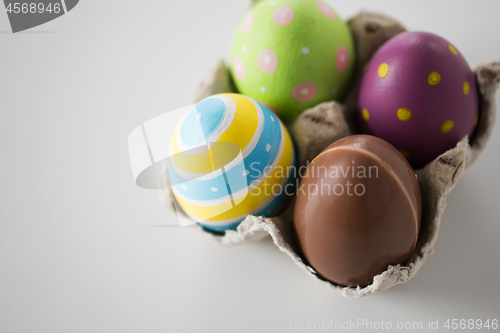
<point>327,122</point>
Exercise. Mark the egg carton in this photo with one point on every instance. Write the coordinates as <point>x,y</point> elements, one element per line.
<point>318,127</point>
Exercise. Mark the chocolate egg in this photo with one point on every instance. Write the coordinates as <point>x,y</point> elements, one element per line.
<point>229,155</point>
<point>292,54</point>
<point>419,94</point>
<point>358,210</point>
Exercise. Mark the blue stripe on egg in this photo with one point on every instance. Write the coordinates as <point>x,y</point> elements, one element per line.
<point>269,208</point>
<point>210,114</point>
<point>261,157</point>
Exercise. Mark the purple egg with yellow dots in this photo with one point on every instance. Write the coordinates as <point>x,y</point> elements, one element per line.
<point>419,94</point>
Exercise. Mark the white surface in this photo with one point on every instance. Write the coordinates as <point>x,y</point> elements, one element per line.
<point>76,250</point>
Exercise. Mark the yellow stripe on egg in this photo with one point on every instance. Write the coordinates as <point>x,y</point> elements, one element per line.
<point>246,113</point>
<point>199,163</point>
<point>252,200</point>
<point>239,135</point>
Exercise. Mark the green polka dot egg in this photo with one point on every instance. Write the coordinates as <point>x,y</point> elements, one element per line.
<point>292,55</point>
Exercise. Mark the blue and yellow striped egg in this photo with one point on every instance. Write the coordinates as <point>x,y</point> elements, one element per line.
<point>230,157</point>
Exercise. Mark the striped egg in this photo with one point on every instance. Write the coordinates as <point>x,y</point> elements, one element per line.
<point>230,157</point>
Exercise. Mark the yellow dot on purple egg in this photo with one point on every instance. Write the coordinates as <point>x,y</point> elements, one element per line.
<point>447,126</point>
<point>452,49</point>
<point>434,78</point>
<point>365,114</point>
<point>405,153</point>
<point>383,70</point>
<point>466,88</point>
<point>404,114</point>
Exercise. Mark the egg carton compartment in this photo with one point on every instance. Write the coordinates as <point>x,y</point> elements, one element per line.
<point>318,127</point>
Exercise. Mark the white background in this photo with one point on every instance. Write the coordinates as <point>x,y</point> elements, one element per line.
<point>77,253</point>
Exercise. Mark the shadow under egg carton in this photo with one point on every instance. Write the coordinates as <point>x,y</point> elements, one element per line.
<point>327,122</point>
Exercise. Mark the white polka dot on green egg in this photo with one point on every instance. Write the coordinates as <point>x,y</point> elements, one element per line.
<point>292,54</point>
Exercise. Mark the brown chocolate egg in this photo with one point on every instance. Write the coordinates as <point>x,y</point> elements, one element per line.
<point>358,210</point>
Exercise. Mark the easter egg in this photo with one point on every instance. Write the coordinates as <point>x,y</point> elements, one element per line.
<point>419,94</point>
<point>230,157</point>
<point>292,55</point>
<point>358,210</point>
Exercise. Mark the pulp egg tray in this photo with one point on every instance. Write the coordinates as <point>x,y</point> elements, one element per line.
<point>318,127</point>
